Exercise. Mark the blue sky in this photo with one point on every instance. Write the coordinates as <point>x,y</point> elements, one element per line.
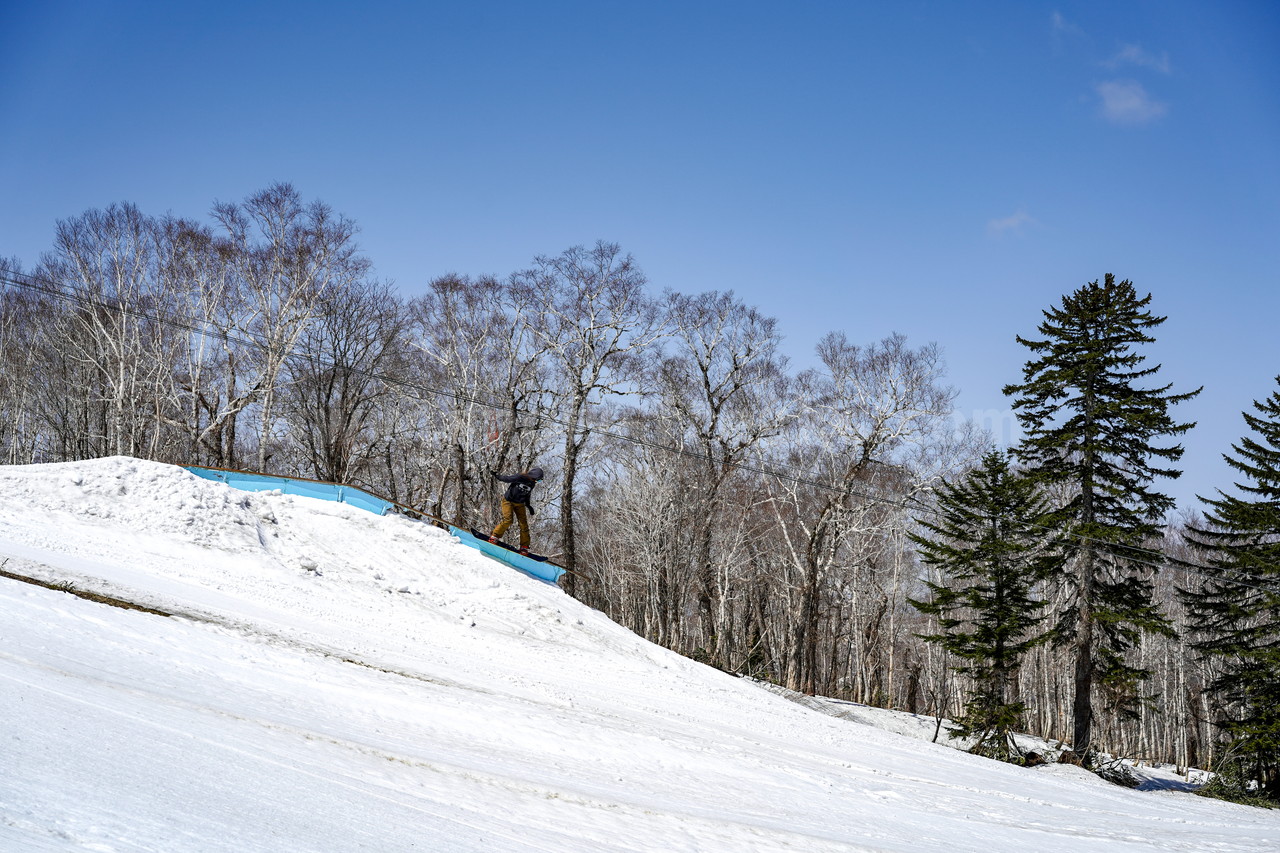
<point>943,170</point>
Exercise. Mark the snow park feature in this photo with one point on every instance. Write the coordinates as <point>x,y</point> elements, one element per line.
<point>253,482</point>
<point>531,564</point>
<point>308,676</point>
<point>250,481</point>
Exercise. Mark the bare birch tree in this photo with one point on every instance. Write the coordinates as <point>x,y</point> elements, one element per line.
<point>198,270</point>
<point>287,255</point>
<point>868,408</point>
<point>105,263</point>
<point>597,324</point>
<point>346,361</point>
<point>726,383</point>
<point>483,372</point>
<point>20,318</point>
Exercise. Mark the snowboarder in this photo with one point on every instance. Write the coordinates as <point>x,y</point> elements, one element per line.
<point>516,502</point>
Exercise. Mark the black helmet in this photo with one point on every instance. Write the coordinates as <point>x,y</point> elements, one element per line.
<point>535,473</point>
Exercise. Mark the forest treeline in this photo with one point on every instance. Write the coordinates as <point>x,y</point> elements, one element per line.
<point>806,527</point>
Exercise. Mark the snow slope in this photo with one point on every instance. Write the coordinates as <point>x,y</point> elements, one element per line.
<point>339,681</point>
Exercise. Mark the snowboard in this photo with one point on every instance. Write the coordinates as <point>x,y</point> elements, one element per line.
<point>484,537</point>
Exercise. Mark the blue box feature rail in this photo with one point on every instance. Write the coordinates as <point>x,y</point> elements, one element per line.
<point>548,572</point>
<point>249,482</point>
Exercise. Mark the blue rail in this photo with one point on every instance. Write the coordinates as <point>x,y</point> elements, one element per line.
<point>250,482</point>
<point>548,572</point>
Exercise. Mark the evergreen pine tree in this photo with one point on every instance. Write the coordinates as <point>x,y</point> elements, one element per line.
<point>1089,435</point>
<point>1235,612</point>
<point>991,553</point>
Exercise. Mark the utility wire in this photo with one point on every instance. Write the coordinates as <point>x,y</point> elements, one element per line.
<point>1142,556</point>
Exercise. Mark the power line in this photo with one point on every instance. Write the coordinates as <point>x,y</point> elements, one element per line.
<point>1142,556</point>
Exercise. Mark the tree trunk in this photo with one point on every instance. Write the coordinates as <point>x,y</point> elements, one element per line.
<point>572,448</point>
<point>1082,705</point>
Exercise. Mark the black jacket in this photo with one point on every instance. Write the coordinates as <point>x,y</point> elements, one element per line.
<point>520,489</point>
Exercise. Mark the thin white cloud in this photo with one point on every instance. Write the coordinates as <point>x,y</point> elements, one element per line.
<point>1134,54</point>
<point>1127,102</point>
<point>1063,26</point>
<point>1010,224</point>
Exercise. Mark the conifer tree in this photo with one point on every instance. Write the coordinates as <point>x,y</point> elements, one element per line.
<point>1091,434</point>
<point>1236,610</point>
<point>991,553</point>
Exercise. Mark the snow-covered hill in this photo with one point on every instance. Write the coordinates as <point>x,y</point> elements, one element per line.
<point>335,681</point>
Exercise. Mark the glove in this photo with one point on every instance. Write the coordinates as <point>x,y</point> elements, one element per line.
<point>531,509</point>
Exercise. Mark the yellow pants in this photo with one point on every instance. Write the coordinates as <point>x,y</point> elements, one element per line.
<point>518,510</point>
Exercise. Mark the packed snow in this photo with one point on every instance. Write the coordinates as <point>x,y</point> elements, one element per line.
<point>332,680</point>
